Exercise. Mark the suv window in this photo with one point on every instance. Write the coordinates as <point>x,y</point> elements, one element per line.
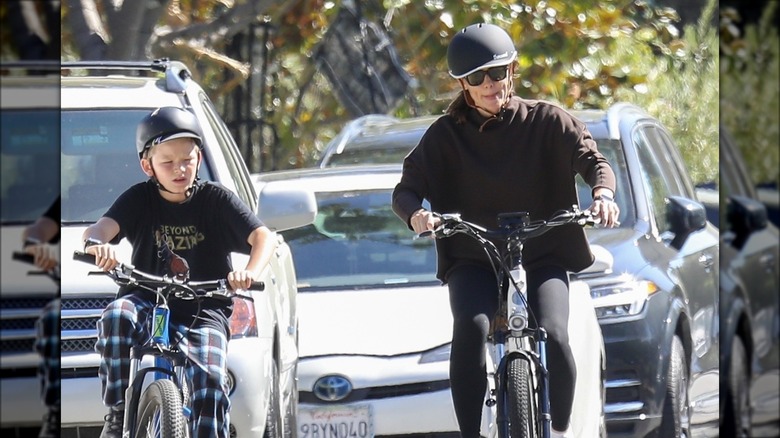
<point>30,168</point>
<point>659,176</point>
<point>234,160</point>
<point>99,161</point>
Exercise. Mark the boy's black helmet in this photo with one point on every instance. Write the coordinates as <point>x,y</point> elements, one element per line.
<point>477,47</point>
<point>166,123</point>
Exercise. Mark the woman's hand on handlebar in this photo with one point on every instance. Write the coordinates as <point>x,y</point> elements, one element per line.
<point>607,211</point>
<point>423,220</point>
<point>105,256</point>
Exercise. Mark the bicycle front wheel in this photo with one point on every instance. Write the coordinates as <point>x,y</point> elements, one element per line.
<point>520,398</point>
<point>160,412</point>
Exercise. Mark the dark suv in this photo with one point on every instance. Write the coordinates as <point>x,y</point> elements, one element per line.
<point>750,306</point>
<point>658,304</point>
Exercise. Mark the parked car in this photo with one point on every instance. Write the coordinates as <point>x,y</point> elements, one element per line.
<point>750,307</point>
<point>374,139</point>
<point>29,158</point>
<point>658,308</point>
<point>102,103</point>
<point>375,323</point>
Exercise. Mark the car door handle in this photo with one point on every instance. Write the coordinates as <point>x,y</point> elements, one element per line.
<point>707,261</point>
<point>767,261</point>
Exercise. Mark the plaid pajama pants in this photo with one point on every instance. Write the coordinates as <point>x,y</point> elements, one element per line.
<point>47,345</point>
<point>126,322</point>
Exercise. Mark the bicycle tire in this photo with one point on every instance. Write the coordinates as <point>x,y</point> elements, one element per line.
<point>520,398</point>
<point>160,412</point>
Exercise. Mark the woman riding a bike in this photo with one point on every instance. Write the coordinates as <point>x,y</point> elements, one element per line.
<point>181,227</point>
<point>493,152</point>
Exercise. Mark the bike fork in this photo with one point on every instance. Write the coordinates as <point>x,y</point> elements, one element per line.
<point>544,385</point>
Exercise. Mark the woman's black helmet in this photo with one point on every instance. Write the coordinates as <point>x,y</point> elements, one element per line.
<point>478,47</point>
<point>166,123</point>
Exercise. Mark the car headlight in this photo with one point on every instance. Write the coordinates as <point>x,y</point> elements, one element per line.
<point>439,354</point>
<point>625,298</point>
<point>243,321</point>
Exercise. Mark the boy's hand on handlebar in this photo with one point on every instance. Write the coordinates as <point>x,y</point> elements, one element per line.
<point>45,256</point>
<point>241,279</point>
<point>105,256</point>
<point>423,220</point>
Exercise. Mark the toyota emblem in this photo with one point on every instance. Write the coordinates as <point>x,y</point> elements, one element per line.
<point>332,388</point>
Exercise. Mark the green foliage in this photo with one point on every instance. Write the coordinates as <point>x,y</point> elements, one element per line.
<point>681,90</point>
<point>750,86</point>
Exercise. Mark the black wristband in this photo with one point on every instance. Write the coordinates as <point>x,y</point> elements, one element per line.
<point>604,197</point>
<point>30,241</point>
<point>91,242</point>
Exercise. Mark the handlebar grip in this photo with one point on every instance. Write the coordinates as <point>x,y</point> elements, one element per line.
<point>84,257</point>
<point>23,257</point>
<point>257,285</point>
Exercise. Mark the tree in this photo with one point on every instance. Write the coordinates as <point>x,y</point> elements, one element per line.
<point>257,60</point>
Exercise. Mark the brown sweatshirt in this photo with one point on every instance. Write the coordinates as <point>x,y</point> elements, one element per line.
<point>525,159</point>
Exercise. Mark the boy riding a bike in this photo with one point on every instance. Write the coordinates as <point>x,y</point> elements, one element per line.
<point>178,226</point>
<point>493,152</point>
<point>40,240</point>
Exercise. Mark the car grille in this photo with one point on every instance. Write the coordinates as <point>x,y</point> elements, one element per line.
<point>79,323</point>
<point>380,392</point>
<point>17,323</point>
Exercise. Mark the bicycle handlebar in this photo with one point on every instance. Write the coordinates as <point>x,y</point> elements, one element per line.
<point>515,225</point>
<point>125,274</point>
<point>21,256</point>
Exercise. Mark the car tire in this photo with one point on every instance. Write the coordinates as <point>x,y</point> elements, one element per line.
<point>273,419</point>
<point>676,412</point>
<point>736,421</point>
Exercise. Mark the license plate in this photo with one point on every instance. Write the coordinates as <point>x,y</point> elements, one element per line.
<point>335,422</point>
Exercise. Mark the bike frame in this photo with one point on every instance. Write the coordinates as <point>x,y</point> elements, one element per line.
<point>169,362</point>
<point>509,343</point>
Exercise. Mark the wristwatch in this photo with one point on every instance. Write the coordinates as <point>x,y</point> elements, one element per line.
<point>91,242</point>
<point>603,197</point>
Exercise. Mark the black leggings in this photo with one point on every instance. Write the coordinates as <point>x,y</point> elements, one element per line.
<point>473,301</point>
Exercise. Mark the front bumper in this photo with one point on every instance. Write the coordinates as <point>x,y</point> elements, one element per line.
<point>636,350</point>
<point>406,397</point>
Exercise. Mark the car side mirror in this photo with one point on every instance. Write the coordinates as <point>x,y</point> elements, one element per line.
<point>745,216</point>
<point>284,208</point>
<point>684,216</point>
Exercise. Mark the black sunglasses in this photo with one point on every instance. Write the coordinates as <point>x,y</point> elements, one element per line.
<point>495,73</point>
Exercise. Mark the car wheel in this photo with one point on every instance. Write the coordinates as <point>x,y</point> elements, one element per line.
<point>736,420</point>
<point>676,412</point>
<point>273,419</point>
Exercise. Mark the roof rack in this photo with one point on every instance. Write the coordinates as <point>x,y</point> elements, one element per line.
<point>30,67</point>
<point>176,73</point>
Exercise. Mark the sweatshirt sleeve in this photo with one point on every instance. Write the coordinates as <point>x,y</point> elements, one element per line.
<point>409,193</point>
<point>589,162</point>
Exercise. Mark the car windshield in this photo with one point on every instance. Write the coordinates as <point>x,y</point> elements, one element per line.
<point>356,242</point>
<point>99,160</point>
<point>377,149</point>
<point>612,150</point>
<point>30,168</point>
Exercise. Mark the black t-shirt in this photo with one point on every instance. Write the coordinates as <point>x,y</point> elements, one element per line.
<point>203,230</point>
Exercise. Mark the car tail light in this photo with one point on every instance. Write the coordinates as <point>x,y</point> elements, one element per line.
<point>243,321</point>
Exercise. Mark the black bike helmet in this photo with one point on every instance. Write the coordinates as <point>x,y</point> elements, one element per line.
<point>166,123</point>
<point>478,47</point>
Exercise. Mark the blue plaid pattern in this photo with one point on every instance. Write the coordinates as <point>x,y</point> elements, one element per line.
<point>125,322</point>
<point>47,345</point>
